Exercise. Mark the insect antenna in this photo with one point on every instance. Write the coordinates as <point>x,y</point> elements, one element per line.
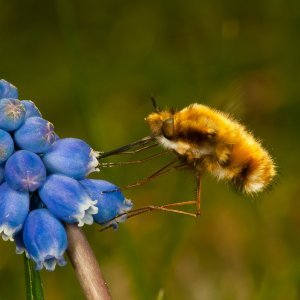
<point>154,103</point>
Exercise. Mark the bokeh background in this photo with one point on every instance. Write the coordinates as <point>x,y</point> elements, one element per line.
<point>91,67</point>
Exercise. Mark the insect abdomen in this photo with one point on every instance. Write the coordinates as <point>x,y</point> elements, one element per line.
<point>249,167</point>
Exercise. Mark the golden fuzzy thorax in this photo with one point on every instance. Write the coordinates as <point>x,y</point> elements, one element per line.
<point>210,140</point>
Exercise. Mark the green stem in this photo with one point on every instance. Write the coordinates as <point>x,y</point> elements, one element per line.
<point>34,288</point>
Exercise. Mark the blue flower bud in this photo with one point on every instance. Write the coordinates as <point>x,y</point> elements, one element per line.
<point>25,171</point>
<point>14,207</point>
<point>12,114</point>
<point>45,239</point>
<point>111,202</point>
<point>66,198</point>
<point>36,135</point>
<point>71,157</point>
<point>6,146</point>
<point>31,109</point>
<point>7,90</point>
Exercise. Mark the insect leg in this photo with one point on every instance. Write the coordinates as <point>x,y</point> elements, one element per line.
<point>164,170</point>
<point>112,164</point>
<point>198,201</point>
<point>166,207</point>
<point>149,208</point>
<point>161,171</point>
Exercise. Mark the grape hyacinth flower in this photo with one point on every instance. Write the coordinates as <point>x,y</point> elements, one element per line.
<point>7,90</point>
<point>66,198</point>
<point>111,202</point>
<point>25,171</point>
<point>45,239</point>
<point>31,109</point>
<point>6,146</point>
<point>14,207</point>
<point>71,157</point>
<point>40,187</point>
<point>12,114</point>
<point>36,135</point>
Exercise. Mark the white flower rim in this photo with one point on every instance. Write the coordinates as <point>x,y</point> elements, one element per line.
<point>86,210</point>
<point>7,232</point>
<point>93,163</point>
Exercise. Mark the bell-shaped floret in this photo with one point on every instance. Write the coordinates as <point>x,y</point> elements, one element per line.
<point>7,90</point>
<point>66,198</point>
<point>14,207</point>
<point>71,157</point>
<point>25,171</point>
<point>45,239</point>
<point>36,135</point>
<point>6,146</point>
<point>111,202</point>
<point>31,109</point>
<point>12,114</point>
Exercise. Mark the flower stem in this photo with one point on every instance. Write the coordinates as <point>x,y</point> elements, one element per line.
<point>34,287</point>
<point>85,265</point>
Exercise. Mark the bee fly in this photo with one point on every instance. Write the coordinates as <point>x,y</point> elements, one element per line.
<point>203,140</point>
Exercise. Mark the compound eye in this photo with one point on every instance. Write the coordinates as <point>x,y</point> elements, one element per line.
<point>168,128</point>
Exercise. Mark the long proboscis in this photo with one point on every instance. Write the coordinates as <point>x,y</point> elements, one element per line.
<point>127,147</point>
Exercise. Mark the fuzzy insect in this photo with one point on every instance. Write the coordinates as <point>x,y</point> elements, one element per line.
<point>206,140</point>
<point>210,140</point>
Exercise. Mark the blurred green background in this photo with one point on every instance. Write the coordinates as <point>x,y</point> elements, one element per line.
<point>91,67</point>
